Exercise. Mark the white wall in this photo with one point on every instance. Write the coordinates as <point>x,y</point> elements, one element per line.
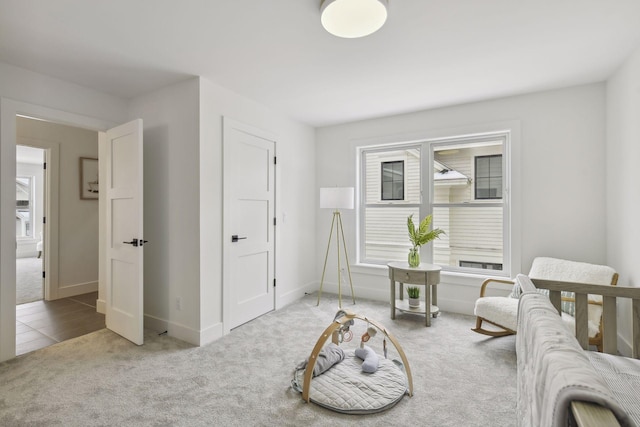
<point>295,200</point>
<point>38,89</point>
<point>183,204</point>
<point>623,175</point>
<point>562,176</point>
<point>37,95</point>
<point>171,208</point>
<point>77,219</point>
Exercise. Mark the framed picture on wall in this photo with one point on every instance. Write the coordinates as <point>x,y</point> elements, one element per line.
<point>88,178</point>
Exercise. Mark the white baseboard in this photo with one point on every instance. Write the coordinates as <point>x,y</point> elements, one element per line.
<point>77,289</point>
<point>445,304</point>
<point>212,333</point>
<point>101,306</point>
<point>292,296</point>
<point>182,332</point>
<point>155,323</point>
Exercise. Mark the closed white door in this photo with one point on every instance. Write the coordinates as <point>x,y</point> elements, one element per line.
<point>124,251</point>
<point>249,223</point>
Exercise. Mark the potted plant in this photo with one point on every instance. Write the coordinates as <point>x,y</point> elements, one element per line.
<point>414,296</point>
<point>420,236</point>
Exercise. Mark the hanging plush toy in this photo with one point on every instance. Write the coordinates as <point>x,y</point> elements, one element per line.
<point>344,333</point>
<point>369,357</point>
<point>371,332</point>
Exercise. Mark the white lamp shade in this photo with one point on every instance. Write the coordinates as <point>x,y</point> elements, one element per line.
<point>336,198</point>
<point>353,18</point>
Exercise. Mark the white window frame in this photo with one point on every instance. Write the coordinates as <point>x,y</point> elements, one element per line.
<point>511,256</point>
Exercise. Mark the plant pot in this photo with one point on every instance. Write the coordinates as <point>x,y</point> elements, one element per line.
<point>414,302</point>
<point>414,258</point>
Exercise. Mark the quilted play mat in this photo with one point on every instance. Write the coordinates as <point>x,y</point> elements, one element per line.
<point>353,382</point>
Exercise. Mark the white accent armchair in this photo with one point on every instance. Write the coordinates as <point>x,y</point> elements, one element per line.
<point>502,312</point>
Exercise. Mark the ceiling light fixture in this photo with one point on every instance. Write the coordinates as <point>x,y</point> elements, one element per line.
<point>353,18</point>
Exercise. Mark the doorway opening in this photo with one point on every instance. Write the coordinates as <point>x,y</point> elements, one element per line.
<point>56,235</point>
<point>29,223</point>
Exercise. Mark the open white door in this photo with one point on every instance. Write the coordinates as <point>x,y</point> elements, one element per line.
<point>249,229</point>
<point>124,251</point>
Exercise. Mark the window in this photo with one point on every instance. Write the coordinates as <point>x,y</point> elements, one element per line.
<point>383,219</point>
<point>24,207</point>
<point>392,180</point>
<point>489,177</point>
<point>460,181</point>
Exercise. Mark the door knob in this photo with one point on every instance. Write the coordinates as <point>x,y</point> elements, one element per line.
<point>235,238</point>
<point>133,242</point>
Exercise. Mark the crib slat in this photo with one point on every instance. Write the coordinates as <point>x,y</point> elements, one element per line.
<point>609,325</point>
<point>556,299</point>
<point>582,320</point>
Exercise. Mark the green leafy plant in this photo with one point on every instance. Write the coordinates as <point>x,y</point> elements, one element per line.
<point>422,235</point>
<point>413,291</point>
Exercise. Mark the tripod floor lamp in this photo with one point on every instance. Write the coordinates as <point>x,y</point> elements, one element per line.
<point>337,198</point>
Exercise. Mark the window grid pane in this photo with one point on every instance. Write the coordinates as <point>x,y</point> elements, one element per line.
<point>392,180</point>
<point>488,171</point>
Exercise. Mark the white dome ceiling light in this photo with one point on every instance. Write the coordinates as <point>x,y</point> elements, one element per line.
<point>353,18</point>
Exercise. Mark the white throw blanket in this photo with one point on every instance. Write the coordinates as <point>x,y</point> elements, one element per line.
<point>553,370</point>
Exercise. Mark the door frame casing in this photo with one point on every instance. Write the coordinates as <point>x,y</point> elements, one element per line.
<point>226,226</point>
<point>9,109</point>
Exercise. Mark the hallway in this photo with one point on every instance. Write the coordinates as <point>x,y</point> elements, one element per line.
<point>42,323</point>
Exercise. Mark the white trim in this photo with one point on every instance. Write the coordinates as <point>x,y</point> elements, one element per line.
<point>155,323</point>
<point>211,333</point>
<point>77,289</point>
<point>294,295</point>
<point>182,332</point>
<point>101,306</point>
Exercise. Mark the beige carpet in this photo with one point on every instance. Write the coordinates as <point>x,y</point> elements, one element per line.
<point>243,379</point>
<point>28,280</point>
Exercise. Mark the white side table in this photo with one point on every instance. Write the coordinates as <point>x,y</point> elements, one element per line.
<point>427,275</point>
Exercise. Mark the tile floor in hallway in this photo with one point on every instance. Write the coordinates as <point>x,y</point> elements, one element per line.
<point>42,323</point>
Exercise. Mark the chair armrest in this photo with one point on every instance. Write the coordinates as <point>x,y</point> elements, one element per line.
<point>487,281</point>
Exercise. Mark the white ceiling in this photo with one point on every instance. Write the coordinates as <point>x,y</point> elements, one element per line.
<point>430,53</point>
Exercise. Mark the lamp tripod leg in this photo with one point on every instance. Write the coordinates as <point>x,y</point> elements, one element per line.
<point>325,260</point>
<point>337,214</point>
<point>353,298</point>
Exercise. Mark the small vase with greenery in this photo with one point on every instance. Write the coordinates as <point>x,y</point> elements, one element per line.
<point>414,296</point>
<point>420,236</point>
